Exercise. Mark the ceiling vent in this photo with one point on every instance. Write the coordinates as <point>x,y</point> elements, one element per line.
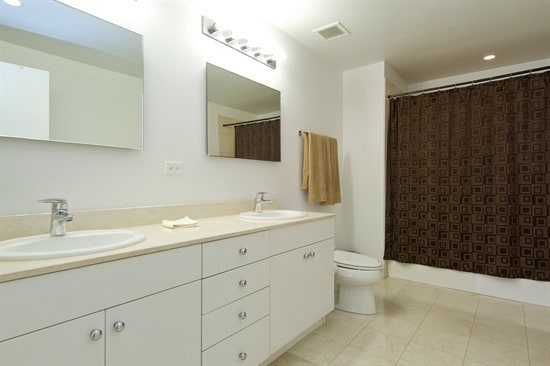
<point>332,31</point>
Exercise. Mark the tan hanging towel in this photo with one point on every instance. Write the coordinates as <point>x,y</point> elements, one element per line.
<point>320,173</point>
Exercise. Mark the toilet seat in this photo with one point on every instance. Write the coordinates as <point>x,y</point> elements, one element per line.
<point>356,261</point>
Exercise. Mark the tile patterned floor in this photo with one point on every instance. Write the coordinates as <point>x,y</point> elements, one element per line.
<point>423,325</point>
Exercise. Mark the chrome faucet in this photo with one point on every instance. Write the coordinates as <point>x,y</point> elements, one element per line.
<point>59,217</point>
<point>261,200</point>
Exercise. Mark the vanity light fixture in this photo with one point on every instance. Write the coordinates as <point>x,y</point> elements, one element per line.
<point>489,57</point>
<point>13,2</point>
<point>211,29</point>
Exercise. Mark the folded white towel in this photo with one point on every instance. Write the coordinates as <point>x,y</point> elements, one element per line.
<point>183,222</point>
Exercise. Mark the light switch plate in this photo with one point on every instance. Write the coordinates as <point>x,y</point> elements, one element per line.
<point>173,167</point>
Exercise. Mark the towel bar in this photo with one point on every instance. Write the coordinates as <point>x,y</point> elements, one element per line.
<point>300,132</point>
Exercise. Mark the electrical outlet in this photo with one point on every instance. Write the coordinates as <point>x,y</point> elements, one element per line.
<point>173,167</point>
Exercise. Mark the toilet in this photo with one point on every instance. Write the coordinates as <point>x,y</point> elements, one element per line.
<point>354,277</point>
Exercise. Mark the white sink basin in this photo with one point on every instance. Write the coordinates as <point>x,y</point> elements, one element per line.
<point>273,215</point>
<point>74,243</point>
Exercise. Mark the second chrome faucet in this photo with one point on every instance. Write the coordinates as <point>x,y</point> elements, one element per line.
<point>59,217</point>
<point>262,198</point>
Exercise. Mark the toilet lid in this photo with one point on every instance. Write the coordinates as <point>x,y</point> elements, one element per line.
<point>355,260</point>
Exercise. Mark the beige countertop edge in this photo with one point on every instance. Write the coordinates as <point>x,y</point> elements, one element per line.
<point>158,238</point>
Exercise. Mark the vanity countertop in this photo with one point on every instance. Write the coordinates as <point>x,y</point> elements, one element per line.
<point>158,238</point>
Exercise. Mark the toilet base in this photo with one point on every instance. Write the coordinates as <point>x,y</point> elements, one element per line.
<point>356,299</point>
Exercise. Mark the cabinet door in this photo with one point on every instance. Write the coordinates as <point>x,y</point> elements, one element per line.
<point>68,344</point>
<point>288,291</point>
<point>161,329</point>
<point>319,280</point>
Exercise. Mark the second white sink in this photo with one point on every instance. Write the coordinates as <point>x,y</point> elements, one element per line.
<point>74,243</point>
<point>273,215</point>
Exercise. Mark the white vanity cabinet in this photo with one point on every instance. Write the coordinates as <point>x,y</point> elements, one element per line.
<point>235,302</point>
<point>302,279</point>
<point>139,311</point>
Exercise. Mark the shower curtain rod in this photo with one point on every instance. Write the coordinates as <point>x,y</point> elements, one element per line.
<point>477,81</point>
<point>252,121</point>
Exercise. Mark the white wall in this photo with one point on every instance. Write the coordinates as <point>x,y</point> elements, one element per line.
<point>175,126</point>
<point>455,79</point>
<point>364,168</point>
<point>364,160</point>
<point>17,118</point>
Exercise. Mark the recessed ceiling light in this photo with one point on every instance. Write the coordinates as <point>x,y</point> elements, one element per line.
<point>489,57</point>
<point>13,2</point>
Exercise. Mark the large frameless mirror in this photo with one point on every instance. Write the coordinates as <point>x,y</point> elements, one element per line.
<point>243,117</point>
<point>68,76</point>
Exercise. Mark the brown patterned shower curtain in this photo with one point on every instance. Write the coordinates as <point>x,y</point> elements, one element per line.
<point>261,140</point>
<point>468,185</point>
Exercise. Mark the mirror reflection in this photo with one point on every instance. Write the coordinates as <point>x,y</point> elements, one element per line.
<point>243,117</point>
<point>68,76</point>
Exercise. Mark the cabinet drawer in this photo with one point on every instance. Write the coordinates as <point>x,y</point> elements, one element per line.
<point>57,297</point>
<point>222,255</point>
<point>248,347</point>
<point>223,322</point>
<point>291,237</point>
<point>232,285</point>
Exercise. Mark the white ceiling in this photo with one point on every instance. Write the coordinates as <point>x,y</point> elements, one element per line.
<point>421,40</point>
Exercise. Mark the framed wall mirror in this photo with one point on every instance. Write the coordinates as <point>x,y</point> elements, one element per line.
<point>68,76</point>
<point>243,117</point>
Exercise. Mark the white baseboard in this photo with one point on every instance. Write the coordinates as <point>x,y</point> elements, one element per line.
<point>529,291</point>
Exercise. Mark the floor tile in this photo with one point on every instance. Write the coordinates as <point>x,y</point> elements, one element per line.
<point>442,340</point>
<point>424,325</point>
<point>499,332</point>
<point>439,319</point>
<point>355,356</point>
<point>423,355</point>
<point>341,327</point>
<point>388,288</point>
<point>537,317</point>
<point>390,325</point>
<point>454,311</point>
<point>460,301</point>
<point>505,311</point>
<point>494,354</point>
<point>538,342</point>
<point>540,357</point>
<point>381,346</point>
<point>317,349</point>
<point>421,292</point>
<point>288,359</point>
<point>402,306</point>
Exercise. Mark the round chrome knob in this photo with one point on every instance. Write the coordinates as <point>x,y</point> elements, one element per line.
<point>306,256</point>
<point>242,283</point>
<point>242,315</point>
<point>242,356</point>
<point>312,254</point>
<point>119,326</point>
<point>243,251</point>
<point>96,334</point>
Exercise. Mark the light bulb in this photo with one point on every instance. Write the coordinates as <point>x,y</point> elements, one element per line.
<point>13,2</point>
